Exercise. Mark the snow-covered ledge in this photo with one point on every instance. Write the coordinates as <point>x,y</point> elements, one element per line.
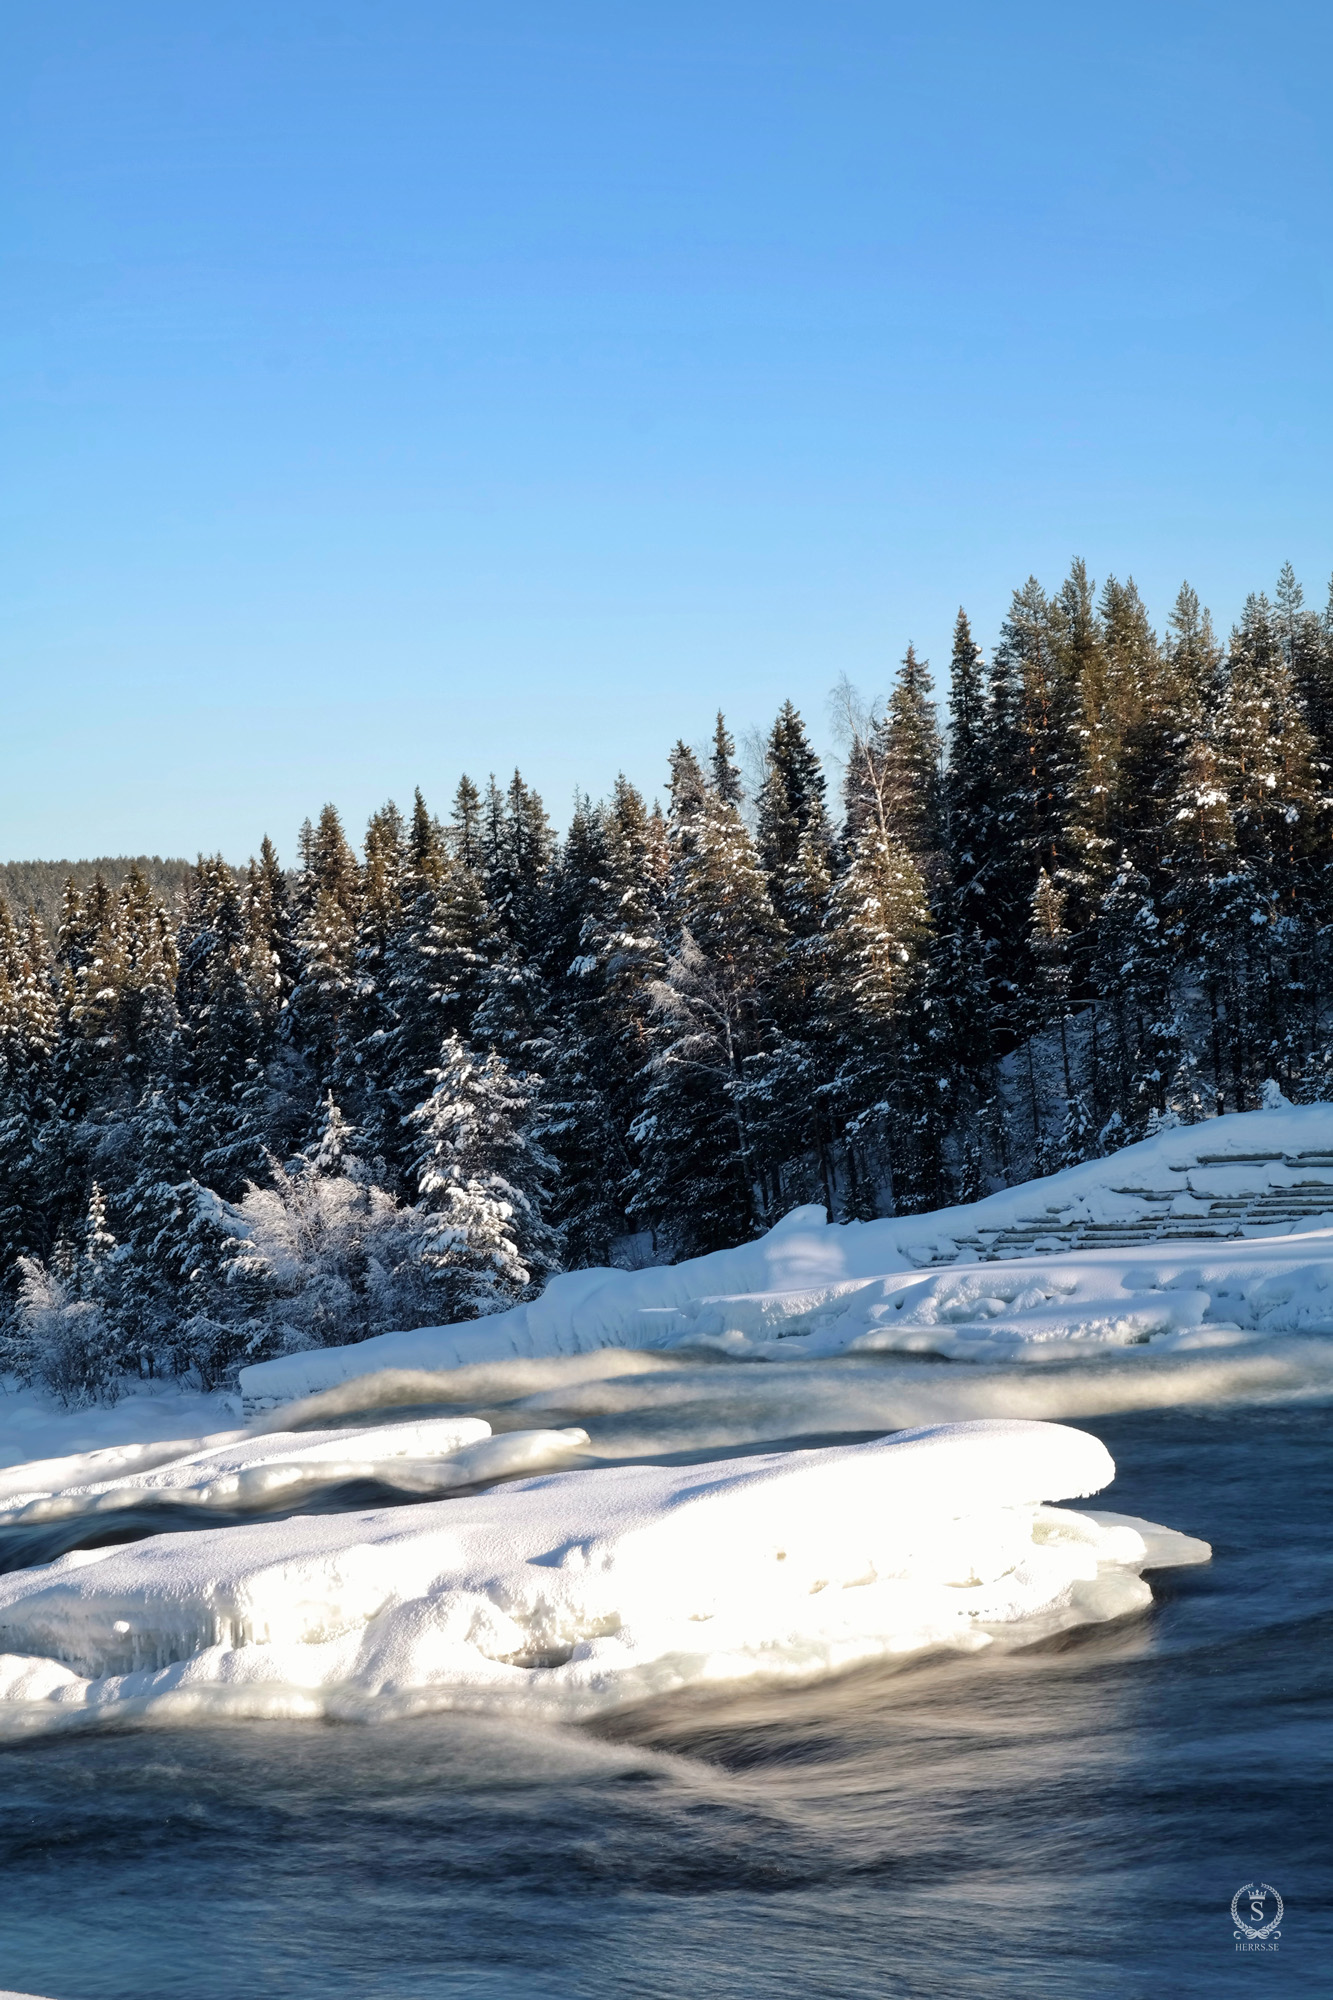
<point>573,1593</point>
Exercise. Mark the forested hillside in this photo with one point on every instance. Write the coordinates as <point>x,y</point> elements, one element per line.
<point>404,1087</point>
<point>41,885</point>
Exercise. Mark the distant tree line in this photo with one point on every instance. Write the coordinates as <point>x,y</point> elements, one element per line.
<point>278,1110</point>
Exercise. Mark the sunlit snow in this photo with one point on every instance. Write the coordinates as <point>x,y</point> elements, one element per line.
<point>573,1593</point>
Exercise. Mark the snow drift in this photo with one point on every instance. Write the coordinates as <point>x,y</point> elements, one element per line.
<point>574,1593</point>
<point>1205,1234</point>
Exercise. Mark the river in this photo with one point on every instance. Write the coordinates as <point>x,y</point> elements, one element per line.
<point>1071,1820</point>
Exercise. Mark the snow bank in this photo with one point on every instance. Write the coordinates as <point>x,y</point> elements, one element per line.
<point>33,1425</point>
<point>234,1472</point>
<point>574,1593</point>
<point>1003,1278</point>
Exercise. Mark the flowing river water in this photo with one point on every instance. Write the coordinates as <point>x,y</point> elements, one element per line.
<point>1070,1820</point>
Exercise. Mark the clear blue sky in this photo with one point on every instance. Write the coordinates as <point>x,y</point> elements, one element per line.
<point>390,389</point>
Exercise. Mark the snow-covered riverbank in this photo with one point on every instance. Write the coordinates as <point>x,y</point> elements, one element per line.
<point>1201,1237</point>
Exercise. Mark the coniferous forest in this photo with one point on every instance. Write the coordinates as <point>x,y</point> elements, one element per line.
<point>284,1108</point>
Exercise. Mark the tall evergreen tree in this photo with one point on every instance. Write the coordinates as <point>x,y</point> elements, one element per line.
<point>726,778</point>
<point>328,908</point>
<point>878,926</point>
<point>791,807</point>
<point>913,778</point>
<point>967,785</point>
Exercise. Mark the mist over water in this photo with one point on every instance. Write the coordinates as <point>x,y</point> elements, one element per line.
<point>1068,1820</point>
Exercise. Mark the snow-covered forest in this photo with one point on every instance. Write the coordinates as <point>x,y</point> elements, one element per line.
<point>294,1108</point>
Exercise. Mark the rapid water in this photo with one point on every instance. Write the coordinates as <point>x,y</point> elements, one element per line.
<point>1068,1821</point>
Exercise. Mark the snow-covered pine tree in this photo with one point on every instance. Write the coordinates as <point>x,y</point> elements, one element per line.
<point>435,968</point>
<point>912,759</point>
<point>366,1080</point>
<point>270,946</point>
<point>1279,814</point>
<point>321,1254</point>
<point>1000,904</point>
<point>66,1338</point>
<point>222,1036</point>
<point>791,808</point>
<point>689,793</point>
<point>27,1035</point>
<point>1096,727</point>
<point>967,999</point>
<point>968,780</point>
<point>1204,895</point>
<point>485,1180</point>
<point>601,1040</point>
<point>1034,700</point>
<point>328,902</point>
<point>149,971</point>
<point>726,777</point>
<point>1136,1040</point>
<point>575,1122</point>
<point>702,1178</point>
<point>1051,950</point>
<point>512,1014</point>
<point>464,832</point>
<point>1141,712</point>
<point>878,927</point>
<point>1308,655</point>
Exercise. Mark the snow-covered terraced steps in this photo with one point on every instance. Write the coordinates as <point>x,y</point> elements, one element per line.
<point>1169,1214</point>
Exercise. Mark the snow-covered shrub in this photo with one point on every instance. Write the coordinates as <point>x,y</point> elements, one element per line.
<point>333,1257</point>
<point>65,1343</point>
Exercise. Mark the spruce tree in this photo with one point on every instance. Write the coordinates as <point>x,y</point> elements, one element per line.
<point>1052,955</point>
<point>512,1014</point>
<point>967,787</point>
<point>270,945</point>
<point>878,927</point>
<point>702,1179</point>
<point>328,908</point>
<point>465,829</point>
<point>1136,1041</point>
<point>598,1074</point>
<point>484,1179</point>
<point>1308,657</point>
<point>726,778</point>
<point>912,758</point>
<point>365,1081</point>
<point>1139,709</point>
<point>1096,727</point>
<point>1278,813</point>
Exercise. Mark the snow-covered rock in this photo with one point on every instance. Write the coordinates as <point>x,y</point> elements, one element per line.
<point>1204,1234</point>
<point>573,1593</point>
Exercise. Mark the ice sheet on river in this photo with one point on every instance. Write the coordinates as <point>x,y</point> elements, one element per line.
<point>572,1593</point>
<point>236,1472</point>
<point>1204,1236</point>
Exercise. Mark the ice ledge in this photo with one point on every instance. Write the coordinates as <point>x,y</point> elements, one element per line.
<point>578,1592</point>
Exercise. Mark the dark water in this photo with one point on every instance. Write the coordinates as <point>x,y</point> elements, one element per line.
<point>1068,1821</point>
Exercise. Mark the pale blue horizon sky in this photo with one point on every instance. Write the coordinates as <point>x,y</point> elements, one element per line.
<point>394,389</point>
